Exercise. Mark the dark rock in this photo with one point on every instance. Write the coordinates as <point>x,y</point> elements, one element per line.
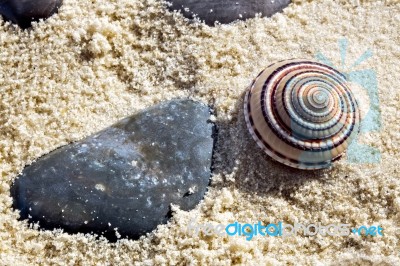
<point>23,12</point>
<point>125,176</point>
<point>226,11</point>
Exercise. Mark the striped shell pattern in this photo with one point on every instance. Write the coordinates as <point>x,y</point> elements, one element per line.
<point>302,113</point>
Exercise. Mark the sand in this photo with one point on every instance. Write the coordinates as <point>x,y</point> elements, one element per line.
<point>99,61</point>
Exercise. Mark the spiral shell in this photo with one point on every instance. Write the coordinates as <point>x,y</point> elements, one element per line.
<point>302,113</point>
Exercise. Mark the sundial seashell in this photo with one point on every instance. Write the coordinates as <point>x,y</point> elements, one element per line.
<point>302,113</point>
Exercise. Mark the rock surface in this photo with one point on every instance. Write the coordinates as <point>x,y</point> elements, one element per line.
<point>122,180</point>
<point>23,12</point>
<point>226,11</point>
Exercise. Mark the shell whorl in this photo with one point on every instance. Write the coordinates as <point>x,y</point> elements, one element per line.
<point>302,113</point>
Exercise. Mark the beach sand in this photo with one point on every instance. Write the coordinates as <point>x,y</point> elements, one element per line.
<point>99,61</point>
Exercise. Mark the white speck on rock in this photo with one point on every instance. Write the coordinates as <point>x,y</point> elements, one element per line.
<point>192,190</point>
<point>100,187</point>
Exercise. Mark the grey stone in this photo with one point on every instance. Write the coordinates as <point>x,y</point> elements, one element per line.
<point>23,12</point>
<point>226,11</point>
<point>125,176</point>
